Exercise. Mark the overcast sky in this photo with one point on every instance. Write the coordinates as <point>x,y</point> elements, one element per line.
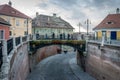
<point>73,11</point>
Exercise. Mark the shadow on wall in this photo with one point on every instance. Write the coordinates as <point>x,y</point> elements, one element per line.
<point>46,52</point>
<point>41,54</point>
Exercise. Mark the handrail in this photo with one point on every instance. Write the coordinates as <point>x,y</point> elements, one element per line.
<point>1,61</point>
<point>9,45</point>
<point>17,40</point>
<point>79,45</point>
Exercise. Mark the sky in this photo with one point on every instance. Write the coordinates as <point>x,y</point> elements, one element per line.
<point>72,11</point>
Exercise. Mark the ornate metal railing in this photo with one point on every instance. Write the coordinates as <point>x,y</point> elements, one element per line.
<point>30,37</point>
<point>78,45</point>
<point>1,61</point>
<point>24,38</point>
<point>17,41</point>
<point>9,45</point>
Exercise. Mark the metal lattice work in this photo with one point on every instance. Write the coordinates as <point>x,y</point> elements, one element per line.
<point>17,40</point>
<point>9,45</point>
<point>1,61</point>
<point>78,45</point>
<point>24,38</point>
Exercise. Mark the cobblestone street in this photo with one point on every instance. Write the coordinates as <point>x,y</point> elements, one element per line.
<point>54,68</point>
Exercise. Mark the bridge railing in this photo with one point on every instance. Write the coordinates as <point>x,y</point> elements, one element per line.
<point>1,61</point>
<point>77,44</point>
<point>105,41</point>
<point>24,38</point>
<point>8,49</point>
<point>9,45</point>
<point>17,41</point>
<point>43,37</point>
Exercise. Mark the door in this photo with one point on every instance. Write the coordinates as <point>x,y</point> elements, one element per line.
<point>113,35</point>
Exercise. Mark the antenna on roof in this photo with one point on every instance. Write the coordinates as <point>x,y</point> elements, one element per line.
<point>117,11</point>
<point>10,3</point>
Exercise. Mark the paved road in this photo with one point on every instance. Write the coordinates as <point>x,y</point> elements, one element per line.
<point>54,68</point>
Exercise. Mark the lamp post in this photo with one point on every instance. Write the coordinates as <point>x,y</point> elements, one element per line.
<point>79,24</point>
<point>87,22</point>
<point>27,26</point>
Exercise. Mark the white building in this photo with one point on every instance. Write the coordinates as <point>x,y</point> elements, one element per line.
<point>47,26</point>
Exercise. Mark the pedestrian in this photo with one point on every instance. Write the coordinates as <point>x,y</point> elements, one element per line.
<point>68,36</point>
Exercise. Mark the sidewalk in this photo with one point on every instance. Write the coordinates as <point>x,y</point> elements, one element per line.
<point>78,71</point>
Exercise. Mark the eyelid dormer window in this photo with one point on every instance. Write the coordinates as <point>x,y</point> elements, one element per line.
<point>110,22</point>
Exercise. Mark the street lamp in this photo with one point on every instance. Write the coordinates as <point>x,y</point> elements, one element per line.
<point>87,22</point>
<point>27,26</point>
<point>79,24</point>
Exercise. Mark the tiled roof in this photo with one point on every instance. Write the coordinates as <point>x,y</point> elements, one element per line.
<point>10,11</point>
<point>3,22</point>
<point>50,22</point>
<point>112,21</point>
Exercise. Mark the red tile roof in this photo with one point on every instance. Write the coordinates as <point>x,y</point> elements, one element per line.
<point>112,21</point>
<point>3,22</point>
<point>10,11</point>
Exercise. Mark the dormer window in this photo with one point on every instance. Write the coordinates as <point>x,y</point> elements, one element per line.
<point>13,12</point>
<point>109,22</point>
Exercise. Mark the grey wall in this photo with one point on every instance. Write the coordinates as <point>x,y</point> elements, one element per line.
<point>19,64</point>
<point>103,62</point>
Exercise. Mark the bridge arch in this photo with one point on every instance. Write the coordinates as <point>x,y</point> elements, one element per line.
<point>78,45</point>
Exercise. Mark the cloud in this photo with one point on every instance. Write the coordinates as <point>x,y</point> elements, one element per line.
<point>64,3</point>
<point>76,11</point>
<point>73,11</point>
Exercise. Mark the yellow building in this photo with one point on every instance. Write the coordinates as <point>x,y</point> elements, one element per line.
<point>110,27</point>
<point>20,23</point>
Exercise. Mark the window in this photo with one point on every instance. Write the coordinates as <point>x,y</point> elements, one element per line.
<point>2,34</point>
<point>10,33</point>
<point>17,23</point>
<point>25,23</point>
<point>8,20</point>
<point>13,12</point>
<point>25,32</point>
<point>109,22</point>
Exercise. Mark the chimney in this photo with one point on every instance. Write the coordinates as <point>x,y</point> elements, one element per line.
<point>10,3</point>
<point>37,14</point>
<point>54,15</point>
<point>48,19</point>
<point>117,11</point>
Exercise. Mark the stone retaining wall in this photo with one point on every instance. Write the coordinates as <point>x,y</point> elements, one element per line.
<point>19,64</point>
<point>103,62</point>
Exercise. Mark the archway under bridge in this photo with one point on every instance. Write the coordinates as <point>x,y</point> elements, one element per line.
<point>79,45</point>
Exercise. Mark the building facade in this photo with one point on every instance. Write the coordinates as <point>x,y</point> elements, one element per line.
<point>49,26</point>
<point>20,23</point>
<point>109,27</point>
<point>4,29</point>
